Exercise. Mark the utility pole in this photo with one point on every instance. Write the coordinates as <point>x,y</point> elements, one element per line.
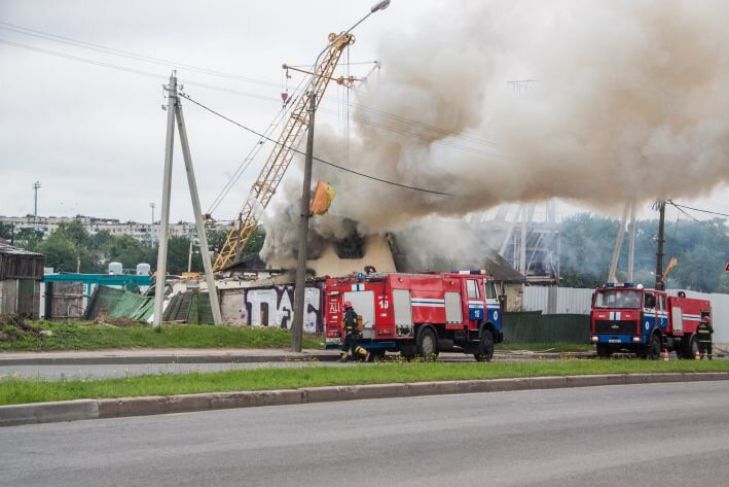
<point>36,187</point>
<point>199,224</point>
<point>174,111</point>
<point>297,327</point>
<point>660,285</point>
<point>164,224</point>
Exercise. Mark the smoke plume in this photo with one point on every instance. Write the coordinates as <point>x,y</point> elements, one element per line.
<point>491,101</point>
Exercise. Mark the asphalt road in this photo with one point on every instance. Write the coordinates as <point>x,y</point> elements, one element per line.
<point>653,435</point>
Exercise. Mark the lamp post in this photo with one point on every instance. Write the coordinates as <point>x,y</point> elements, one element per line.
<point>36,187</point>
<point>297,326</point>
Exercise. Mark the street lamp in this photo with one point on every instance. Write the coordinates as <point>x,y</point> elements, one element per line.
<point>151,227</point>
<point>297,327</point>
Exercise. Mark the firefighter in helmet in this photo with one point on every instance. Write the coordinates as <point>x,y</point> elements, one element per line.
<point>703,335</point>
<point>351,335</point>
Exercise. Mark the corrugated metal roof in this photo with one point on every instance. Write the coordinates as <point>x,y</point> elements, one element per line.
<point>9,249</point>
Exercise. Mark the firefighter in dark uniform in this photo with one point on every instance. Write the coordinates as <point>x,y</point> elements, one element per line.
<point>703,335</point>
<point>351,335</point>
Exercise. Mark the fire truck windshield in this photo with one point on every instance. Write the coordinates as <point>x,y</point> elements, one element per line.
<point>618,298</point>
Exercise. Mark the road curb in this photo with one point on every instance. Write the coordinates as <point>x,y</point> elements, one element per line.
<point>142,406</point>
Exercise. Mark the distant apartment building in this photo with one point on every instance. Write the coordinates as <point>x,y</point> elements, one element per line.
<point>144,232</point>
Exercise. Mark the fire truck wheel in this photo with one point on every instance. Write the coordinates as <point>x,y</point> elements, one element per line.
<point>427,343</point>
<point>653,352</point>
<point>485,347</point>
<point>692,349</point>
<point>377,354</point>
<point>603,351</point>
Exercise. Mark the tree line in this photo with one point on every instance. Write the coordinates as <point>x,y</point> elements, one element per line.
<point>71,248</point>
<point>586,246</point>
<point>701,248</point>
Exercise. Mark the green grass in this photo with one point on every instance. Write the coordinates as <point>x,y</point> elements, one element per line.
<point>17,391</point>
<point>90,336</point>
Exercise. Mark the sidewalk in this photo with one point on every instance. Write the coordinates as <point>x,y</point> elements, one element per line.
<point>216,355</point>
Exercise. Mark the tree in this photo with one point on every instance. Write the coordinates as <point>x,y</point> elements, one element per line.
<point>28,238</point>
<point>125,249</point>
<point>6,231</point>
<point>701,247</point>
<point>68,249</point>
<point>60,254</point>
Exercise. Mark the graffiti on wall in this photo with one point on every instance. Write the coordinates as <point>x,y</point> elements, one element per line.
<point>274,306</point>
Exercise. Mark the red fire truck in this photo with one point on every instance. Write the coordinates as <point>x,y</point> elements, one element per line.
<point>628,318</point>
<point>418,314</point>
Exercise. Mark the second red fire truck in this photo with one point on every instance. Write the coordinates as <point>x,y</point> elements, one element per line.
<point>628,318</point>
<point>418,314</point>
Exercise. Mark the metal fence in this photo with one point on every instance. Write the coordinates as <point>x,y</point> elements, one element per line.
<point>563,300</point>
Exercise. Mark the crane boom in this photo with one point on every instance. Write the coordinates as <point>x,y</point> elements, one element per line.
<point>280,157</point>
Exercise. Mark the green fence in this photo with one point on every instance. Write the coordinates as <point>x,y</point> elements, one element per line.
<point>191,306</point>
<point>534,327</point>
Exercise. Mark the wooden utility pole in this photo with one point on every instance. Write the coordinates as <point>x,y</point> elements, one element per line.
<point>297,327</point>
<point>660,285</point>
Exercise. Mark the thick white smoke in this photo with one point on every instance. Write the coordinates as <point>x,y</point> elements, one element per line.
<point>628,99</point>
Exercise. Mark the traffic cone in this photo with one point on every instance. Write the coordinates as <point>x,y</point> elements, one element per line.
<point>665,354</point>
<point>697,355</point>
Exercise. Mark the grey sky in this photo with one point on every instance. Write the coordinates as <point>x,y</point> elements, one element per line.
<point>94,136</point>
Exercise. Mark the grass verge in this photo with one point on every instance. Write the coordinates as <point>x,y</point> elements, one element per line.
<point>90,336</point>
<point>18,391</point>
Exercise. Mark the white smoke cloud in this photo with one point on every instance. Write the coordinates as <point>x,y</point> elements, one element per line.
<point>630,100</point>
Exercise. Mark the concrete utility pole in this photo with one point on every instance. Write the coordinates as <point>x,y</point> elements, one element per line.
<point>199,224</point>
<point>36,187</point>
<point>164,224</point>
<point>297,327</point>
<point>660,285</point>
<point>174,111</point>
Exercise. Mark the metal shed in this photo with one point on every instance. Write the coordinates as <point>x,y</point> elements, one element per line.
<point>21,272</point>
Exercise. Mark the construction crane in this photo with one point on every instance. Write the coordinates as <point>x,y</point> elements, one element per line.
<point>280,158</point>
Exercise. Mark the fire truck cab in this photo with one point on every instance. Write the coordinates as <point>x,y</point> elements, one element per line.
<point>629,318</point>
<point>418,314</point>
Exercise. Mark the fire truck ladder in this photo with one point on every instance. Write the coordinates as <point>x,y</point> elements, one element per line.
<point>279,159</point>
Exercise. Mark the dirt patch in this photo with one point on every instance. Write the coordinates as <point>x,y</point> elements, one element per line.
<point>14,328</point>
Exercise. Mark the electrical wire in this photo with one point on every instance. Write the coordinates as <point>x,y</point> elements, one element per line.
<point>127,69</point>
<point>682,211</point>
<point>698,209</point>
<point>126,54</point>
<point>322,161</point>
<point>248,160</point>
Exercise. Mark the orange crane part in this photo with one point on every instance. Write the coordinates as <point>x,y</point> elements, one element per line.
<point>279,159</point>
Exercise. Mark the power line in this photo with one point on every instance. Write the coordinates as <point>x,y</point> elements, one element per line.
<point>698,209</point>
<point>323,161</point>
<point>682,211</point>
<point>127,54</point>
<point>127,69</point>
